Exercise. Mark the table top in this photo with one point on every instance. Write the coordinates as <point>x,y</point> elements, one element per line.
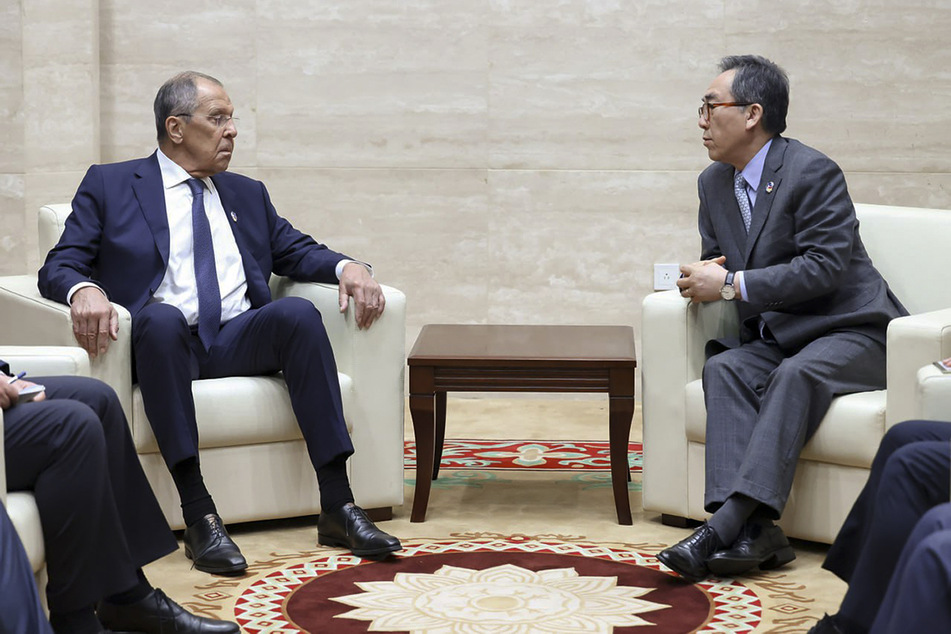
<point>453,344</point>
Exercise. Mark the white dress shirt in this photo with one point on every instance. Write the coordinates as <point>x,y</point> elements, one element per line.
<point>178,287</point>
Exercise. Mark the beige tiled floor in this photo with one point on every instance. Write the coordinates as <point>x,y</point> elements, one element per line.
<point>535,504</point>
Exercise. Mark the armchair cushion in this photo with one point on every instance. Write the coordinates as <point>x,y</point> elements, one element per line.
<point>237,410</point>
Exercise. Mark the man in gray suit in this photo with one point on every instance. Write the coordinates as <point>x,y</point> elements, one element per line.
<point>779,238</point>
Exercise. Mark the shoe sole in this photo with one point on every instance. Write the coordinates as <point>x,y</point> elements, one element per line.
<point>670,563</point>
<point>228,570</point>
<point>733,567</point>
<point>376,552</point>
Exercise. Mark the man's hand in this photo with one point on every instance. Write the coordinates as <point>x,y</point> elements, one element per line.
<point>368,300</point>
<point>701,281</point>
<point>10,392</point>
<point>95,320</point>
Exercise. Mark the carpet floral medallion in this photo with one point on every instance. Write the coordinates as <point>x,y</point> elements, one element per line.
<point>483,582</point>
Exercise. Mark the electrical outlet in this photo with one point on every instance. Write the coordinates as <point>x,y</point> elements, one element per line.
<point>665,276</point>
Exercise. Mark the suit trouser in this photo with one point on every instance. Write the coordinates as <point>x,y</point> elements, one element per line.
<point>20,609</point>
<point>911,474</point>
<point>764,404</point>
<point>100,519</point>
<point>286,335</point>
<point>918,598</point>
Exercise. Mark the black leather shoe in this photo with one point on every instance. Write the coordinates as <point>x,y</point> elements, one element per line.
<point>757,545</point>
<point>688,558</point>
<point>349,527</point>
<point>826,625</point>
<point>207,543</point>
<point>157,614</point>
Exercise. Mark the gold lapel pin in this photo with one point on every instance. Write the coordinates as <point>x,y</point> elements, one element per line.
<point>234,216</point>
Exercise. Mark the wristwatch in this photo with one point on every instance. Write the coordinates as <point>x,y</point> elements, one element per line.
<point>728,291</point>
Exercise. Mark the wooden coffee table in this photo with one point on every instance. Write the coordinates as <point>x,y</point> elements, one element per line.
<point>497,358</point>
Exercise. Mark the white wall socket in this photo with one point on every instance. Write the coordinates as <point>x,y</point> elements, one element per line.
<point>665,276</point>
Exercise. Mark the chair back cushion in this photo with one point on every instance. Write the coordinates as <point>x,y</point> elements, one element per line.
<point>908,246</point>
<point>51,222</point>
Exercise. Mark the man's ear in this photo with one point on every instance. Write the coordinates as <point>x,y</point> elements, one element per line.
<point>754,115</point>
<point>174,129</point>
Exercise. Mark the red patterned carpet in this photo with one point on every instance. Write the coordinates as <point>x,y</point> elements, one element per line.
<point>492,584</point>
<point>536,455</point>
<point>452,582</point>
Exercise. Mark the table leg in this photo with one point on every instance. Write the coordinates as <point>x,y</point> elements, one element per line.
<point>440,420</point>
<point>421,410</point>
<point>621,414</point>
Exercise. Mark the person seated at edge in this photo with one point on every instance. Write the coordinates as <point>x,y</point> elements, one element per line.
<point>188,248</point>
<point>101,522</point>
<point>903,507</point>
<point>779,238</point>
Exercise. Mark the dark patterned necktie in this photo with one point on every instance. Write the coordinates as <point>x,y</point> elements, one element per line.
<point>206,275</point>
<point>742,199</point>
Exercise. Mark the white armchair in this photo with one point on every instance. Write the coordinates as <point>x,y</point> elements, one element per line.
<point>37,361</point>
<point>254,459</point>
<point>909,247</point>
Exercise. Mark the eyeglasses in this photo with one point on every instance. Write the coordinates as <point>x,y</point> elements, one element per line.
<point>706,109</point>
<point>220,120</point>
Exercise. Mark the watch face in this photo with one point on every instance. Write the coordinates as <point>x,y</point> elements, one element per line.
<point>727,292</point>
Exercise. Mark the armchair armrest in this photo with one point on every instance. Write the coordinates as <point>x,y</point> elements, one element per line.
<point>27,318</point>
<point>375,359</point>
<point>47,360</point>
<point>674,334</point>
<point>933,400</point>
<point>913,341</point>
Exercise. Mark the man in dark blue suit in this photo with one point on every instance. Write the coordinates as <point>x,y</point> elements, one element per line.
<point>188,248</point>
<point>101,523</point>
<point>901,515</point>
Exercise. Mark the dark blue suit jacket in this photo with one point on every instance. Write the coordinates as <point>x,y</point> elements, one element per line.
<point>117,236</point>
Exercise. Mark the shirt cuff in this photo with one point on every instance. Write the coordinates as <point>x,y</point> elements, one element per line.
<point>740,280</point>
<point>72,291</point>
<point>345,262</point>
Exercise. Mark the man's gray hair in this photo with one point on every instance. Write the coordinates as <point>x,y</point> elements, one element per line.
<point>178,95</point>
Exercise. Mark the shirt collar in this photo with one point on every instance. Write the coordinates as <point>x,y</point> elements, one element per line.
<point>174,174</point>
<point>753,172</point>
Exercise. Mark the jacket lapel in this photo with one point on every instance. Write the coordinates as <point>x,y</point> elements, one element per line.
<point>766,193</point>
<point>258,290</point>
<point>150,193</point>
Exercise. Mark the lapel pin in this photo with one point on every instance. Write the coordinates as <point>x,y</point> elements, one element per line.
<point>769,187</point>
<point>234,216</point>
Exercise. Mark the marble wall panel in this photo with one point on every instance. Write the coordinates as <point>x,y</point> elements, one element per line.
<point>870,80</point>
<point>11,88</point>
<point>60,84</point>
<point>145,44</point>
<point>901,188</point>
<point>598,85</point>
<point>425,232</point>
<point>372,84</point>
<point>12,229</point>
<point>576,247</point>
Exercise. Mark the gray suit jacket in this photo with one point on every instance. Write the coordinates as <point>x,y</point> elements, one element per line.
<point>805,267</point>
